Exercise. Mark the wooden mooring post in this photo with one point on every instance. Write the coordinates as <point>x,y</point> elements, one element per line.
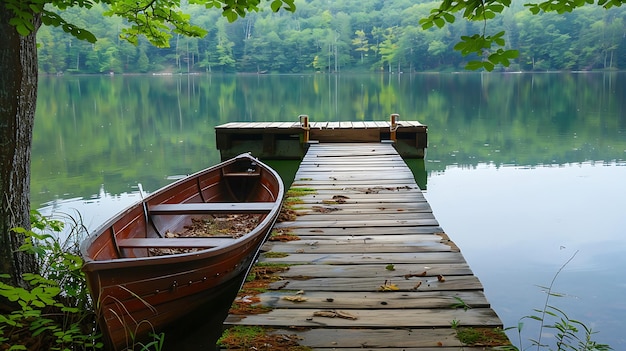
<point>360,262</point>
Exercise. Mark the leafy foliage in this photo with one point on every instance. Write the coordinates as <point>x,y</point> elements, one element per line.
<point>54,312</point>
<point>156,20</point>
<point>481,10</point>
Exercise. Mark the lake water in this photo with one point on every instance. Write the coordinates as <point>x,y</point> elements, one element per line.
<point>522,170</point>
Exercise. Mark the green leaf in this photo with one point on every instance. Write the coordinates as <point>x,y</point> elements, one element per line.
<point>427,25</point>
<point>474,65</point>
<point>510,54</point>
<point>276,4</point>
<point>496,8</point>
<point>449,18</point>
<point>231,16</point>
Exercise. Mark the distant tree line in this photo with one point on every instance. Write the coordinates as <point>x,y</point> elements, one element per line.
<point>336,36</point>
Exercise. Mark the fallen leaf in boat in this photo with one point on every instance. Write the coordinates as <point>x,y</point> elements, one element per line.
<point>297,298</point>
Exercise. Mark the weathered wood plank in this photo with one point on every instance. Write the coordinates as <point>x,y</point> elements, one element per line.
<point>373,300</point>
<point>356,196</point>
<point>368,204</point>
<point>365,218</point>
<point>379,339</point>
<point>377,192</point>
<point>400,271</point>
<point>451,283</point>
<point>362,223</point>
<point>314,205</point>
<point>359,232</point>
<point>356,168</point>
<point>315,246</point>
<point>397,318</point>
<point>374,239</point>
<point>425,258</point>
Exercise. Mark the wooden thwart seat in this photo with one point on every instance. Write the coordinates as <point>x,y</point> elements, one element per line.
<point>173,242</point>
<point>242,174</point>
<point>212,208</point>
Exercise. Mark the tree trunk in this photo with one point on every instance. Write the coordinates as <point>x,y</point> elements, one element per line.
<point>18,96</point>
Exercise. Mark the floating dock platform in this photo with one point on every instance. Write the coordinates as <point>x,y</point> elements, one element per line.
<point>289,140</point>
<point>370,267</point>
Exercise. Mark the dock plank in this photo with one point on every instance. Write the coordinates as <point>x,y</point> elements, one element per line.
<point>401,270</point>
<point>425,258</point>
<point>374,300</point>
<point>378,339</point>
<point>397,318</point>
<point>452,283</point>
<point>359,232</point>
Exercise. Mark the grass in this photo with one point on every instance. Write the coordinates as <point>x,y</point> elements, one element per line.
<point>283,235</point>
<point>482,336</point>
<point>272,254</point>
<point>259,338</point>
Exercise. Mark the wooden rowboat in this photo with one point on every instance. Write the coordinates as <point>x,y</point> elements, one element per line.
<point>137,289</point>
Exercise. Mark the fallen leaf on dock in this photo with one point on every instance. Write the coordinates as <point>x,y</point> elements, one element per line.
<point>325,209</point>
<point>407,276</point>
<point>333,314</point>
<point>441,278</point>
<point>297,298</point>
<point>388,286</point>
<point>417,285</point>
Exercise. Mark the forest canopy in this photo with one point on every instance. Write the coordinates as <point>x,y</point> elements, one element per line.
<point>336,36</point>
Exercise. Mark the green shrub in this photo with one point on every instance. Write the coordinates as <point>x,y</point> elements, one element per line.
<point>54,312</point>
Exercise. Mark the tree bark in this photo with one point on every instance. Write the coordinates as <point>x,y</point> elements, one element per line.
<point>18,97</point>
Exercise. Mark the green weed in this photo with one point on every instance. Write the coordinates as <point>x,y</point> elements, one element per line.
<point>570,334</point>
<point>54,311</point>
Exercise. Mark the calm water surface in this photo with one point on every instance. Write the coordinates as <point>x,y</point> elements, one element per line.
<point>523,170</point>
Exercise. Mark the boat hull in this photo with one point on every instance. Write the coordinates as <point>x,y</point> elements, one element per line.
<point>136,293</point>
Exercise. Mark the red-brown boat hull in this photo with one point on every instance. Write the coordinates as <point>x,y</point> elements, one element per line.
<point>136,293</point>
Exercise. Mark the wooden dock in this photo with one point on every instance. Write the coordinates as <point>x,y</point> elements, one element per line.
<point>289,140</point>
<point>372,268</point>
